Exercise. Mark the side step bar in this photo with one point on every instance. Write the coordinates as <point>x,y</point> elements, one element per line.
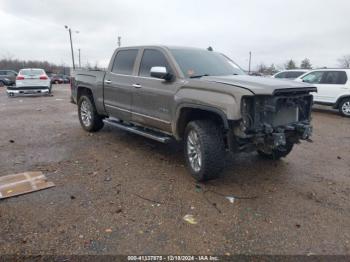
<point>139,131</point>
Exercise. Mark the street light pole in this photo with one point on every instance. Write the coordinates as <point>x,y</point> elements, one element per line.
<point>79,59</point>
<point>71,44</point>
<point>250,60</point>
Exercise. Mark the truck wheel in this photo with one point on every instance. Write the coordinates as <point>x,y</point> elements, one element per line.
<point>88,117</point>
<point>344,107</point>
<point>204,149</point>
<point>276,154</point>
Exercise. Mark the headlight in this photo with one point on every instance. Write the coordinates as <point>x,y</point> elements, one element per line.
<point>247,113</point>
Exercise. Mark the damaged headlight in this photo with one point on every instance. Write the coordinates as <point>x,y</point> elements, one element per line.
<point>247,105</point>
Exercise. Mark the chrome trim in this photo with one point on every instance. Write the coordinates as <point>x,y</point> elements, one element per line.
<point>137,85</point>
<point>129,111</point>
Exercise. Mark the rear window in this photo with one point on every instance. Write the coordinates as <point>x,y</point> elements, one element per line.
<point>281,75</point>
<point>294,74</point>
<point>32,72</point>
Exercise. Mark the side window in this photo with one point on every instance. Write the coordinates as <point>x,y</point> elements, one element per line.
<point>150,59</point>
<point>294,74</point>
<point>2,73</point>
<point>314,77</point>
<point>124,62</point>
<point>281,75</point>
<point>334,77</point>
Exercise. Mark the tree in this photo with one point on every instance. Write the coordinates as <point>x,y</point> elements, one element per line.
<point>344,61</point>
<point>261,68</point>
<point>272,70</point>
<point>305,64</point>
<point>290,64</point>
<point>210,48</point>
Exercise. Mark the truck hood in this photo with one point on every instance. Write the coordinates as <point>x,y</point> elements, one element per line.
<point>260,85</point>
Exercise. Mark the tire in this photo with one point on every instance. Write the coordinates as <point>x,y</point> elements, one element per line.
<point>204,141</point>
<point>278,153</point>
<point>2,84</point>
<point>344,107</point>
<point>89,119</point>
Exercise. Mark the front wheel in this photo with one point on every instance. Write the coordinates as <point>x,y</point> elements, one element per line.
<point>204,149</point>
<point>89,119</point>
<point>344,107</point>
<point>276,154</point>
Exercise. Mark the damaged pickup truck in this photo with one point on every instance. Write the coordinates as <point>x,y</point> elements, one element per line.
<point>196,96</point>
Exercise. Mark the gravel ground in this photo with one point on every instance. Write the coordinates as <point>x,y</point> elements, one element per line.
<point>118,193</point>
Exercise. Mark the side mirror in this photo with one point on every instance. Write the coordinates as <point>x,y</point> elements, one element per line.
<point>160,72</point>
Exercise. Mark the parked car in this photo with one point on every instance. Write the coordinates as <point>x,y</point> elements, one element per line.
<point>31,81</point>
<point>56,79</point>
<point>7,77</point>
<point>65,78</point>
<point>198,96</point>
<point>333,88</point>
<point>290,74</point>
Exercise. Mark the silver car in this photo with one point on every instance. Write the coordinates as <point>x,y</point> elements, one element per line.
<point>31,81</point>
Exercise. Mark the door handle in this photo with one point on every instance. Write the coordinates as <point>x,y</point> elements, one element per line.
<point>108,81</point>
<point>137,85</point>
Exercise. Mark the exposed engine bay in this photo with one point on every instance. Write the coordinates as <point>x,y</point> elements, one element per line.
<point>273,121</point>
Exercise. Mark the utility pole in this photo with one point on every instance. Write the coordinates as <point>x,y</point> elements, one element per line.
<point>119,41</point>
<point>250,61</point>
<point>71,43</point>
<point>79,58</point>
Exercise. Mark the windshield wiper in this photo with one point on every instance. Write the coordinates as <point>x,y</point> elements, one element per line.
<point>199,76</point>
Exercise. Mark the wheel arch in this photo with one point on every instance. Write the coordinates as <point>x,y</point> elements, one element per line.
<point>339,100</point>
<point>189,112</point>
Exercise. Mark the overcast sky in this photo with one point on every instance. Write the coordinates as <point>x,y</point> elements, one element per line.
<point>273,30</point>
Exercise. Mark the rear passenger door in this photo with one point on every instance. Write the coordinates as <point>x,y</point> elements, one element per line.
<point>118,84</point>
<point>153,97</point>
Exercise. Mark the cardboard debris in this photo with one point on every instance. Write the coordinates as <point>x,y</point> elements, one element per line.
<point>18,184</point>
<point>190,219</point>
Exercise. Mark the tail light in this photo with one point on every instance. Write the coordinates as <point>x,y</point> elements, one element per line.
<point>19,78</point>
<point>43,78</point>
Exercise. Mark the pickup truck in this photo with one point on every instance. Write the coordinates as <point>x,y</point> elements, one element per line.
<point>196,96</point>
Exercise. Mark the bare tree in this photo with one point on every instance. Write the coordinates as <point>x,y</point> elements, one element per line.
<point>344,61</point>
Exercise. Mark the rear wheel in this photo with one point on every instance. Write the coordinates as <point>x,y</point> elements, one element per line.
<point>204,149</point>
<point>89,119</point>
<point>276,154</point>
<point>344,107</point>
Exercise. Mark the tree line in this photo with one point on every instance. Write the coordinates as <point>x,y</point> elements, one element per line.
<point>343,62</point>
<point>16,65</point>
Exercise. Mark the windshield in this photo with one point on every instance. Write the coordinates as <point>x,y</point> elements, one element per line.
<point>197,62</point>
<point>32,72</point>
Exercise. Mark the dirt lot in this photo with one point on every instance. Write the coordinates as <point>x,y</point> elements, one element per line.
<point>103,181</point>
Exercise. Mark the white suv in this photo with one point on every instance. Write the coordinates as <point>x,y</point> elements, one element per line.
<point>333,87</point>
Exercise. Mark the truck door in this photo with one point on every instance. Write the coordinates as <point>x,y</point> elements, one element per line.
<point>118,84</point>
<point>153,97</point>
